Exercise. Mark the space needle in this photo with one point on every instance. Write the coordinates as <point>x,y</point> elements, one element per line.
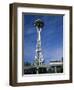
<point>39,59</point>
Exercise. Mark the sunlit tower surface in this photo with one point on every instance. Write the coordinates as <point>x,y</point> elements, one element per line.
<point>39,59</point>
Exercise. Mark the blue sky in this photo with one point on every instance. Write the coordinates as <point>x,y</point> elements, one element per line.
<point>51,37</point>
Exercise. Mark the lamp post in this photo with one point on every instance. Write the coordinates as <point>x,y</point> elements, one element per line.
<point>38,57</point>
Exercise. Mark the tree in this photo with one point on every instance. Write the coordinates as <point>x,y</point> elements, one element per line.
<point>27,64</point>
<point>62,58</point>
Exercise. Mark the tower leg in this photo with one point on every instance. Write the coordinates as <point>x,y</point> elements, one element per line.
<point>38,57</point>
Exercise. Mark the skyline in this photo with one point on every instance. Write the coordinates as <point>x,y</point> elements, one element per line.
<point>51,37</point>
